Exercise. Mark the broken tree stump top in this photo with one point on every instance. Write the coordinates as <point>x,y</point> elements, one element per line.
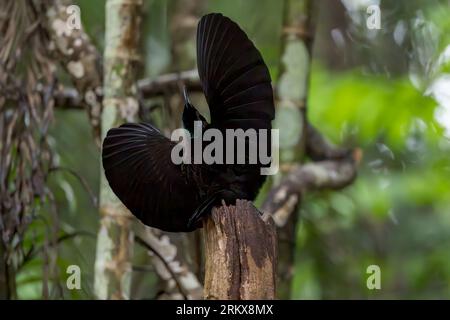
<point>240,250</point>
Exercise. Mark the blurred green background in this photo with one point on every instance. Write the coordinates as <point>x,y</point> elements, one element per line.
<point>386,91</point>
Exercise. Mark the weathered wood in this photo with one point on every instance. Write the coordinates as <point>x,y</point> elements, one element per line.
<point>241,253</point>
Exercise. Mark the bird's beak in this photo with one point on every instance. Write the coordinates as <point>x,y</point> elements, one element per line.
<point>186,96</point>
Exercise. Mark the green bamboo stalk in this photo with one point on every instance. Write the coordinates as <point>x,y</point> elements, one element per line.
<point>115,236</point>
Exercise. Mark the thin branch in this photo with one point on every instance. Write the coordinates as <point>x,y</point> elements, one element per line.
<point>149,247</point>
<point>35,250</point>
<point>332,167</point>
<point>83,182</point>
<point>318,148</point>
<point>68,98</point>
<point>143,269</point>
<point>174,265</point>
<point>171,82</point>
<point>328,174</point>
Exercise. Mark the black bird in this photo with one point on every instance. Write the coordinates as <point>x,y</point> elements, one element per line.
<point>137,157</point>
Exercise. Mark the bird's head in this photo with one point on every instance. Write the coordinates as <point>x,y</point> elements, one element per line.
<point>190,114</point>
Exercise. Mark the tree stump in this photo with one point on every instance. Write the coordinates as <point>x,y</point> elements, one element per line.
<point>240,250</point>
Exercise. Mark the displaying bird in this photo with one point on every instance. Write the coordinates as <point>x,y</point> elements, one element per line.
<point>137,157</point>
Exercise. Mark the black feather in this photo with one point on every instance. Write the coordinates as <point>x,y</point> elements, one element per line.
<point>138,167</point>
<point>137,157</point>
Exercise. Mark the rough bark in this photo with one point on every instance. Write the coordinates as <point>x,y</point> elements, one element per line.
<point>241,253</point>
<point>81,60</point>
<point>115,237</point>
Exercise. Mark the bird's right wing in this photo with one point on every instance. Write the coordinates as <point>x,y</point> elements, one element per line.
<point>234,77</point>
<point>138,166</point>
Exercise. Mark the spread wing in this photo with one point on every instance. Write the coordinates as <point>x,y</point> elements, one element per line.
<point>138,166</point>
<point>234,77</point>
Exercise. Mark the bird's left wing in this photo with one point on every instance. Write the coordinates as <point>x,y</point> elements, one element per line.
<point>138,166</point>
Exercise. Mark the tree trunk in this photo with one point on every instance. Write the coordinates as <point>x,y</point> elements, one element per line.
<point>7,276</point>
<point>240,250</point>
<point>291,104</point>
<point>115,237</point>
